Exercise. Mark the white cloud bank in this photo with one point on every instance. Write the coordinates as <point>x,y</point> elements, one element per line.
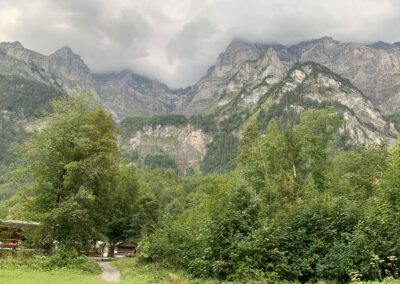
<point>176,41</point>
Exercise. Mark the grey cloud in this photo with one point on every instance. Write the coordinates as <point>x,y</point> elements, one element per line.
<point>189,40</point>
<point>176,41</point>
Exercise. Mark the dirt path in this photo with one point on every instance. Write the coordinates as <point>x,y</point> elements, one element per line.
<point>109,273</point>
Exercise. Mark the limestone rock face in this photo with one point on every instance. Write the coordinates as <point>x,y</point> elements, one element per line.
<point>312,85</point>
<point>126,94</point>
<point>69,71</point>
<point>246,79</point>
<point>256,77</point>
<point>374,69</point>
<point>209,89</point>
<point>186,144</point>
<point>63,69</point>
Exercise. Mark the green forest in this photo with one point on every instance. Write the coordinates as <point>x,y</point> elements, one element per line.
<point>292,206</point>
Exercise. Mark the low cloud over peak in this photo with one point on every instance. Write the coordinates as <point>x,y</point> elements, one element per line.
<point>176,41</point>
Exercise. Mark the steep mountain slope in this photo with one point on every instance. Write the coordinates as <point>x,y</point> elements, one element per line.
<point>207,91</point>
<point>373,69</point>
<point>305,86</point>
<point>166,137</point>
<point>28,82</point>
<point>267,94</point>
<point>63,69</point>
<point>248,80</point>
<point>310,85</point>
<point>126,94</point>
<point>21,101</point>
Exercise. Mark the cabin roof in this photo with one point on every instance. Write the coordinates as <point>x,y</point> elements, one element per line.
<point>18,223</point>
<point>126,244</point>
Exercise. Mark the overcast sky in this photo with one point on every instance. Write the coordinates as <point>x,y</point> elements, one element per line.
<point>176,41</point>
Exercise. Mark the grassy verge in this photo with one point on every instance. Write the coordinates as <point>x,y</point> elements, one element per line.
<point>133,272</point>
<point>18,276</point>
<point>61,267</point>
<point>66,260</point>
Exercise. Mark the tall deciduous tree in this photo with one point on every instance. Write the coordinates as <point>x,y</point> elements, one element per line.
<point>72,161</point>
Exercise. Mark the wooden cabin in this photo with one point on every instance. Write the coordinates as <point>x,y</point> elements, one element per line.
<point>12,232</point>
<point>125,249</point>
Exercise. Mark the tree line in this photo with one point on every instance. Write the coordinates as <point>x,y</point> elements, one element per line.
<point>296,207</point>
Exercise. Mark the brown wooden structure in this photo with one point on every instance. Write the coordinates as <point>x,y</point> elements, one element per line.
<point>12,232</point>
<point>125,249</point>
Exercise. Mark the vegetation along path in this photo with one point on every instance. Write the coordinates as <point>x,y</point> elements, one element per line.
<point>109,273</point>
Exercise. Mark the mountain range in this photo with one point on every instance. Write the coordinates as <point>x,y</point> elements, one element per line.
<point>200,126</point>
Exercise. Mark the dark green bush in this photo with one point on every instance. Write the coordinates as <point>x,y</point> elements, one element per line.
<point>61,258</point>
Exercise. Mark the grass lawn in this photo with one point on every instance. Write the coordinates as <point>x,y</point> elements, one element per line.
<point>19,276</point>
<point>134,273</point>
<point>131,273</point>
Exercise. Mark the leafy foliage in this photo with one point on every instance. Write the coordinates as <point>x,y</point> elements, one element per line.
<point>298,208</point>
<point>25,97</point>
<point>62,258</point>
<point>160,160</point>
<point>70,166</point>
<point>132,124</point>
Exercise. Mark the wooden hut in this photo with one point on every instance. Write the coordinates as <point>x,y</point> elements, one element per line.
<point>125,249</point>
<point>12,232</point>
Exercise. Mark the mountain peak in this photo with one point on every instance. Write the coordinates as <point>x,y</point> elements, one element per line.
<point>383,45</point>
<point>323,41</point>
<point>65,50</point>
<point>237,52</point>
<point>65,54</point>
<point>16,45</point>
<point>236,42</point>
<point>326,39</point>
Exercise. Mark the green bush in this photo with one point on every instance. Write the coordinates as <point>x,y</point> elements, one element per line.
<point>160,160</point>
<point>61,258</point>
<point>297,209</point>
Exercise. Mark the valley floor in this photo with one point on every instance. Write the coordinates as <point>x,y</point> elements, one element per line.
<point>20,276</point>
<point>132,272</point>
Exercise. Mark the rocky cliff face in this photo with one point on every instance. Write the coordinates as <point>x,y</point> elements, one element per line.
<point>253,80</point>
<point>126,94</point>
<point>63,69</point>
<point>374,69</point>
<point>247,79</point>
<point>187,144</point>
<point>205,93</point>
<point>313,86</point>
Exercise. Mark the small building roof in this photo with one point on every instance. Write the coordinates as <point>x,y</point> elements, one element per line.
<point>126,244</point>
<point>18,223</point>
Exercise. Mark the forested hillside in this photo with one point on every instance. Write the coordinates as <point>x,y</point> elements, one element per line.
<point>21,102</point>
<point>296,207</point>
<point>270,169</point>
<point>198,129</point>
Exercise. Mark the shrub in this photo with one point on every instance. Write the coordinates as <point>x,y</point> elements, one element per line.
<point>61,259</point>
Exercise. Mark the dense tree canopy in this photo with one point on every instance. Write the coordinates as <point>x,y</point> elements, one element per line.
<point>297,207</point>
<point>68,169</point>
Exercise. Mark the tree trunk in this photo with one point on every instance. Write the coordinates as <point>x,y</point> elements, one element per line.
<point>111,250</point>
